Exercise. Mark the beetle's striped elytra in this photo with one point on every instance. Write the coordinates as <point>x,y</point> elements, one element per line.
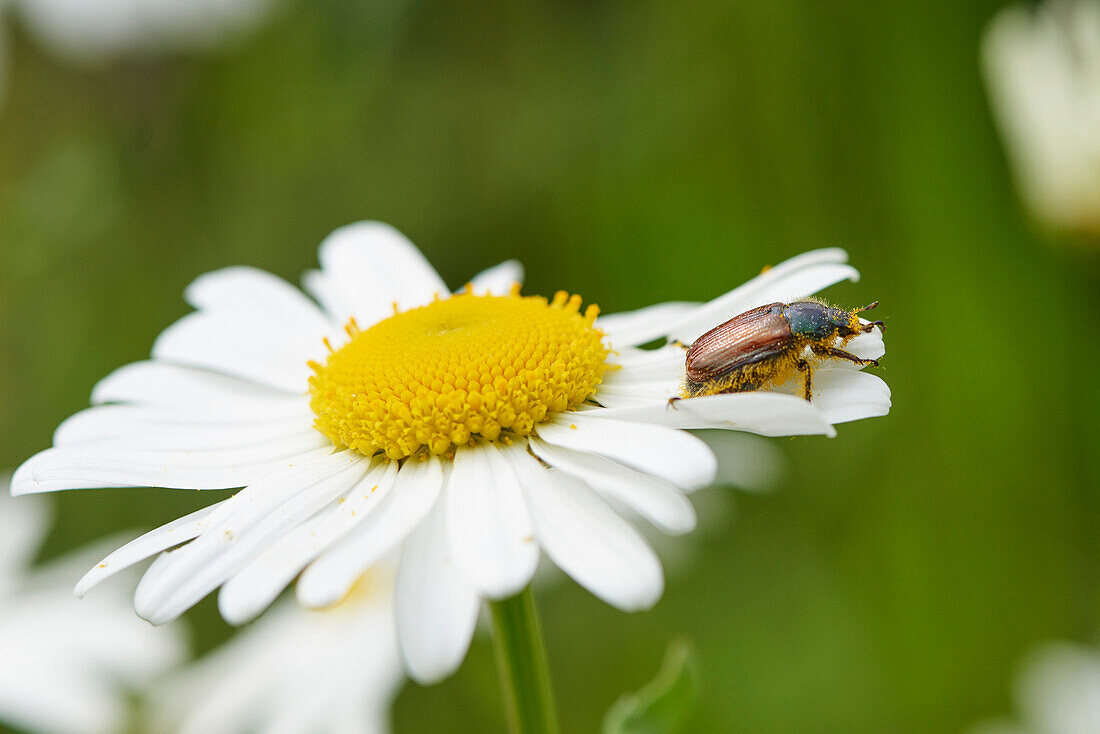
<point>769,345</point>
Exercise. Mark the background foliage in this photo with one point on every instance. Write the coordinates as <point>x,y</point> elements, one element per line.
<point>632,152</point>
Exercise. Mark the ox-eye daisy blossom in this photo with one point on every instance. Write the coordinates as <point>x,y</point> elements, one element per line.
<point>93,31</point>
<point>1057,691</point>
<point>1042,70</point>
<point>294,670</point>
<point>472,431</point>
<point>67,665</point>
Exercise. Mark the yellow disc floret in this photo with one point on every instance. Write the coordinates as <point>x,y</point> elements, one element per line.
<point>471,365</point>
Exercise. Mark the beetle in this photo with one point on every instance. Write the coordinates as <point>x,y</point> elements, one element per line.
<point>767,346</point>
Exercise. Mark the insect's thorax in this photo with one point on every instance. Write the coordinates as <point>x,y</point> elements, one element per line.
<point>813,321</point>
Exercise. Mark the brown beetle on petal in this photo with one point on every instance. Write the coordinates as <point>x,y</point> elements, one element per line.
<point>768,345</point>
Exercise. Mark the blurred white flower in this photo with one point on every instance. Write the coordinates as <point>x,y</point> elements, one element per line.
<point>1056,692</point>
<point>3,53</point>
<point>1042,69</point>
<point>330,671</point>
<point>88,30</point>
<point>67,665</point>
<point>474,431</point>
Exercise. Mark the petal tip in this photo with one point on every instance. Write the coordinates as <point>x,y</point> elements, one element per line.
<point>644,601</point>
<point>429,670</point>
<point>506,582</point>
<point>152,616</point>
<point>88,582</point>
<point>359,233</point>
<point>316,592</point>
<point>426,676</point>
<point>235,614</point>
<point>24,485</point>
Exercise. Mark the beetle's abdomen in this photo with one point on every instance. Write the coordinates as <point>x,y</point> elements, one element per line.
<point>743,340</point>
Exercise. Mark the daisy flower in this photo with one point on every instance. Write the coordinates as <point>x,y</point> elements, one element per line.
<point>1057,692</point>
<point>3,55</point>
<point>67,664</point>
<point>294,670</point>
<point>90,30</point>
<point>1042,70</point>
<point>472,431</point>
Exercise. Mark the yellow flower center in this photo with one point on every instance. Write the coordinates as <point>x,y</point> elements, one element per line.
<point>437,375</point>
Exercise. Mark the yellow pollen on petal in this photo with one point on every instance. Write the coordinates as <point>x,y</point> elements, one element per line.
<point>470,365</point>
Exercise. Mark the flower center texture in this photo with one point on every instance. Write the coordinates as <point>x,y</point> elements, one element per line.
<point>470,365</point>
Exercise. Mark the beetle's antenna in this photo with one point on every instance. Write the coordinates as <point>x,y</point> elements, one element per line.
<point>867,328</point>
<point>865,308</point>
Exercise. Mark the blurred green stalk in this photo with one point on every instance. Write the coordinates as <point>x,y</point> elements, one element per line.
<point>523,666</point>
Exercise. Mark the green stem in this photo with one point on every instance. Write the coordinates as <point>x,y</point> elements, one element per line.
<point>522,664</point>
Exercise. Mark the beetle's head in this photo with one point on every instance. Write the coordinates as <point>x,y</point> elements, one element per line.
<point>851,324</point>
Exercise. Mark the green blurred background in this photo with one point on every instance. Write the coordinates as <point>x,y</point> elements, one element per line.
<point>631,152</point>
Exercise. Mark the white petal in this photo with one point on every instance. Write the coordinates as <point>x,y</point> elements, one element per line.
<point>257,516</point>
<point>72,702</point>
<point>23,526</point>
<point>631,328</point>
<point>321,287</point>
<point>488,527</point>
<point>762,412</point>
<point>616,395</point>
<point>260,295</point>
<point>654,374</point>
<point>303,713</point>
<point>499,279</point>
<point>268,353</point>
<point>436,607</point>
<point>647,365</point>
<point>1059,688</point>
<point>844,395</point>
<point>660,502</point>
<point>796,278</point>
<point>153,542</point>
<point>86,466</point>
<point>171,386</point>
<point>197,700</point>
<point>631,399</point>
<point>133,426</point>
<point>801,284</point>
<point>328,579</point>
<point>66,662</point>
<point>589,541</point>
<point>23,480</point>
<point>253,588</point>
<point>373,266</point>
<point>670,454</point>
<point>867,346</point>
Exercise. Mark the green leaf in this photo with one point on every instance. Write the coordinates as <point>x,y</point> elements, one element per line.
<point>664,704</point>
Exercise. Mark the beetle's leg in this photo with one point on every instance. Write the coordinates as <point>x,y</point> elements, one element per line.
<point>672,402</point>
<point>804,367</point>
<point>841,354</point>
<point>678,343</point>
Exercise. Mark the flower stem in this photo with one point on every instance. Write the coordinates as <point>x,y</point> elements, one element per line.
<point>522,664</point>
